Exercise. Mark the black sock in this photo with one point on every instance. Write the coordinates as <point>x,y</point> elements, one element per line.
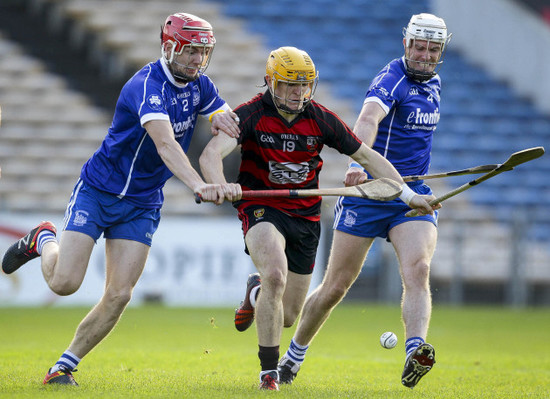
<point>269,357</point>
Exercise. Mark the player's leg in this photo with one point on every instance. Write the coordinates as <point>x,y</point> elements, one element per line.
<point>301,243</point>
<point>125,260</point>
<point>266,246</point>
<point>414,243</point>
<point>28,247</point>
<point>347,256</point>
<point>301,252</point>
<point>297,286</point>
<point>128,239</point>
<point>64,265</point>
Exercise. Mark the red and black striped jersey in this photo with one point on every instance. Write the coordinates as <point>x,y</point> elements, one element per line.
<point>277,154</point>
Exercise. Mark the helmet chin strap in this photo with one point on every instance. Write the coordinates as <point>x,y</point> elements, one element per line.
<point>418,75</point>
<point>181,78</point>
<point>287,109</point>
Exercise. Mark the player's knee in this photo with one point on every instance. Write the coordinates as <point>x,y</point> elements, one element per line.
<point>334,294</point>
<point>290,317</point>
<point>117,299</point>
<point>274,280</point>
<point>416,275</point>
<point>64,287</point>
<point>289,323</point>
<point>422,270</point>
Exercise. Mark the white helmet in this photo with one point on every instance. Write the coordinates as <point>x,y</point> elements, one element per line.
<point>429,28</point>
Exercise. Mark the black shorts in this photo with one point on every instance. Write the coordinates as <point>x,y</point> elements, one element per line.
<point>301,235</point>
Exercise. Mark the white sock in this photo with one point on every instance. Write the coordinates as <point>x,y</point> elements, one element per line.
<point>296,352</point>
<point>412,343</point>
<point>43,238</point>
<point>67,360</point>
<point>253,295</point>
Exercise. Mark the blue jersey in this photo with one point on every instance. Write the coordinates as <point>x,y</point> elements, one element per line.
<point>412,108</point>
<point>405,139</point>
<point>127,163</point>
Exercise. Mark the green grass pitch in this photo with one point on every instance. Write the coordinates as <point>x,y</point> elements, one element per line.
<point>158,352</point>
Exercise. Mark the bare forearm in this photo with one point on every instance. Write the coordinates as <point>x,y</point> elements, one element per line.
<point>178,163</point>
<point>375,164</point>
<point>211,164</point>
<point>211,159</point>
<point>366,129</point>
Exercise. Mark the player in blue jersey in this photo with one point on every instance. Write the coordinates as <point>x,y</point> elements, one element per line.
<point>119,193</point>
<point>398,119</point>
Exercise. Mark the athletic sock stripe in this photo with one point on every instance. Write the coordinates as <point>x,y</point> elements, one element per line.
<point>294,358</point>
<point>43,238</point>
<point>296,353</point>
<point>298,348</point>
<point>66,364</point>
<point>412,343</point>
<point>70,358</point>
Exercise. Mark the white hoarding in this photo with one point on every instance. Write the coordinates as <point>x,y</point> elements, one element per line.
<point>193,261</point>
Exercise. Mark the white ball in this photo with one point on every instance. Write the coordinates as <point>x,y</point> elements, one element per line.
<point>388,340</point>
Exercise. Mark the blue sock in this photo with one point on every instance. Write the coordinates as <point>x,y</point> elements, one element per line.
<point>67,360</point>
<point>44,237</point>
<point>412,343</point>
<point>296,352</point>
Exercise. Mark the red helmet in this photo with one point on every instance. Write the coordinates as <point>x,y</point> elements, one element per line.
<point>182,29</point>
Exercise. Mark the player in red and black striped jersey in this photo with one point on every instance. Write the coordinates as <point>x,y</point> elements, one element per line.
<point>282,154</point>
<point>282,134</point>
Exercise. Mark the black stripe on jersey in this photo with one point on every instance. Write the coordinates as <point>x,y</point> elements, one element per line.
<point>269,139</point>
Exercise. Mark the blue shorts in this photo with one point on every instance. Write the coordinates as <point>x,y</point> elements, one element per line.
<point>92,212</point>
<point>368,218</point>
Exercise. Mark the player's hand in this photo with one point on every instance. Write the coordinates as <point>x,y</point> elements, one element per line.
<point>225,122</point>
<point>210,193</point>
<point>217,193</point>
<point>355,176</point>
<point>422,206</point>
<point>232,191</point>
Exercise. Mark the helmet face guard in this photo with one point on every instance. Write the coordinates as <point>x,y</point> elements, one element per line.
<point>191,36</point>
<point>426,34</point>
<point>291,78</point>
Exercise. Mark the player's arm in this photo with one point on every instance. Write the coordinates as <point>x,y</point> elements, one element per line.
<point>366,126</point>
<point>211,162</point>
<point>378,167</point>
<point>366,129</point>
<point>175,159</point>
